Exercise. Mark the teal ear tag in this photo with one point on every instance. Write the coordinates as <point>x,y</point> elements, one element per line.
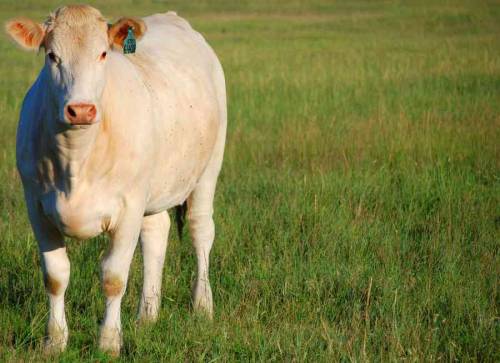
<point>129,43</point>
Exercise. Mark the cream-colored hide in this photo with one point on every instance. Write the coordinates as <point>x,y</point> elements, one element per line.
<point>109,142</point>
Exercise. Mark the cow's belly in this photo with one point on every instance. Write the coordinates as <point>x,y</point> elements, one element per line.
<point>181,163</point>
<point>173,180</point>
<point>170,193</point>
<point>80,216</point>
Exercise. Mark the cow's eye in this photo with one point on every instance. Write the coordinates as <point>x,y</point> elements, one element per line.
<point>103,56</point>
<point>53,57</point>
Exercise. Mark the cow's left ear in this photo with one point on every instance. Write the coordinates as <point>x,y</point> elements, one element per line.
<point>118,31</point>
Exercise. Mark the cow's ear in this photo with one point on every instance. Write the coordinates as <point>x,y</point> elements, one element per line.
<point>118,31</point>
<point>26,32</point>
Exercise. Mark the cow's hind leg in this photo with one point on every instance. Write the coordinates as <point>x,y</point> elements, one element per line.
<point>154,237</point>
<point>202,230</point>
<point>200,210</point>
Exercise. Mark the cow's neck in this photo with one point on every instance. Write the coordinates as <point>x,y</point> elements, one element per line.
<point>71,149</point>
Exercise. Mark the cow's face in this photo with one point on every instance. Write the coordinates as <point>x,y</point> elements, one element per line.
<point>76,40</point>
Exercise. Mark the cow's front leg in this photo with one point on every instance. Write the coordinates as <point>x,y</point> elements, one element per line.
<point>115,269</point>
<point>56,270</point>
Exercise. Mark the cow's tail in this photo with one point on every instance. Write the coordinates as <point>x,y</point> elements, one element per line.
<point>180,218</point>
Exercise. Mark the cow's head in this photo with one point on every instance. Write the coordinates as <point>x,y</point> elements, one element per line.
<point>76,40</point>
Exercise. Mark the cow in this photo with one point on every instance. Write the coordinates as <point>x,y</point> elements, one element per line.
<point>108,142</point>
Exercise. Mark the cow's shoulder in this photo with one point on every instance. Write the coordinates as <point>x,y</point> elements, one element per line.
<point>28,130</point>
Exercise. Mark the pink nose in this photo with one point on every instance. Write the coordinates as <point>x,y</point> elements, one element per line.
<point>80,113</point>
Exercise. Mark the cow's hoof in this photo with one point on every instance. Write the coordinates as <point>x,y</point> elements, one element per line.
<point>202,300</point>
<point>144,319</point>
<point>204,311</point>
<point>110,341</point>
<point>52,346</point>
<point>57,338</point>
<point>148,312</point>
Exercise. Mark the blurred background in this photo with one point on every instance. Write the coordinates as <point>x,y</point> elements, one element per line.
<point>357,213</point>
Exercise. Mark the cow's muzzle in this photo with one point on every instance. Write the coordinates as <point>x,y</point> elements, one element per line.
<point>80,113</point>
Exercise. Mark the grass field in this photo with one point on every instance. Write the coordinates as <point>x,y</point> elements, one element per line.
<point>357,214</point>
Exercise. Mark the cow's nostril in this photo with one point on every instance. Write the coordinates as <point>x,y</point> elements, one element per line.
<point>80,113</point>
<point>71,111</point>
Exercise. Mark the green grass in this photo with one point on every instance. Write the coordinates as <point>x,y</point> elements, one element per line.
<point>357,212</point>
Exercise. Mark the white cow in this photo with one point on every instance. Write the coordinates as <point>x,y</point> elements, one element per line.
<point>107,142</point>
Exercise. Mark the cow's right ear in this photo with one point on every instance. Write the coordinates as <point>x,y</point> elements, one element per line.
<point>26,32</point>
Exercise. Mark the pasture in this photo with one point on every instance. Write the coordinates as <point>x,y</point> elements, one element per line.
<point>357,213</point>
